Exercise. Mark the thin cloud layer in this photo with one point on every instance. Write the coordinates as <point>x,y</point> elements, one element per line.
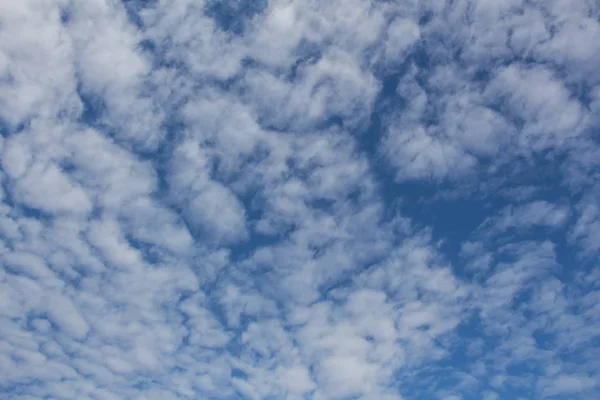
<point>299,200</point>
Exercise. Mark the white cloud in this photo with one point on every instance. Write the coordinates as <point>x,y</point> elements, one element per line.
<point>586,230</point>
<point>112,71</point>
<point>193,212</point>
<point>401,35</point>
<point>210,207</point>
<point>46,188</point>
<point>36,63</point>
<point>488,395</point>
<point>535,96</point>
<point>569,384</point>
<point>538,213</point>
<point>418,154</point>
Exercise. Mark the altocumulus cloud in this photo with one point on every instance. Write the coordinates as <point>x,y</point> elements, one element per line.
<point>299,200</point>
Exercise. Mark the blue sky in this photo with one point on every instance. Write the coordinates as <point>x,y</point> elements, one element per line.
<point>379,200</point>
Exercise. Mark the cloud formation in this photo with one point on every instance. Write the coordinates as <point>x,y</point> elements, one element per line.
<point>299,200</point>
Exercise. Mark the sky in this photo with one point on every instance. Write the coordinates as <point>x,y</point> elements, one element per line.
<point>300,199</point>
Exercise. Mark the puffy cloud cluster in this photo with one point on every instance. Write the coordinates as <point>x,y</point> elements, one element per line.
<point>289,200</point>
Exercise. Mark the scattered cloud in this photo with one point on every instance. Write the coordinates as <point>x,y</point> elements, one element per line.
<point>293,200</point>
